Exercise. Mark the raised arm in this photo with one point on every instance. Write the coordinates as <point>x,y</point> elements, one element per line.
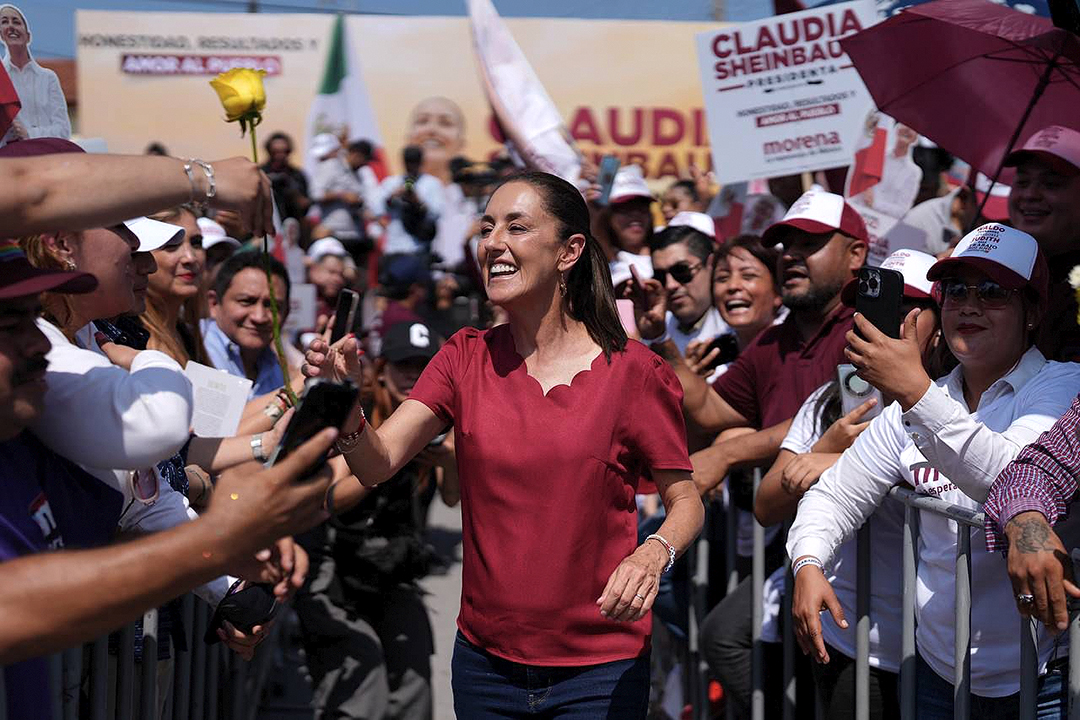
<point>92,592</point>
<point>75,191</point>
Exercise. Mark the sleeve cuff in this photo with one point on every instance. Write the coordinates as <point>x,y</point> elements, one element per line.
<point>811,546</point>
<point>934,411</point>
<point>1026,504</point>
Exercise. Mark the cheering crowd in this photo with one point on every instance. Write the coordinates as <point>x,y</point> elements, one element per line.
<point>589,370</point>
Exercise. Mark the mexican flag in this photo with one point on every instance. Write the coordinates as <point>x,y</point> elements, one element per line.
<point>342,106</point>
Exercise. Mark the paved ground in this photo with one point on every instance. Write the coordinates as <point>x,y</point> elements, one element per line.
<point>288,693</point>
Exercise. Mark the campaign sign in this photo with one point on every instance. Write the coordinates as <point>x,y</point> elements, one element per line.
<point>780,95</point>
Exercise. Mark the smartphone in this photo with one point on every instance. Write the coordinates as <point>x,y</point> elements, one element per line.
<point>854,391</point>
<point>324,404</point>
<point>878,298</point>
<point>609,165</point>
<point>345,314</point>
<point>728,345</point>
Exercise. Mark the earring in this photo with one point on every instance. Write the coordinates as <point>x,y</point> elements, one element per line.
<point>562,285</point>
<point>70,265</point>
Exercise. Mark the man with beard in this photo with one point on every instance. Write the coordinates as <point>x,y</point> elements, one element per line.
<point>824,244</point>
<point>1045,203</point>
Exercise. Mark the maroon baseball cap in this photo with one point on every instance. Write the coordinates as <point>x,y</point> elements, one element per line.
<point>39,146</point>
<point>18,278</point>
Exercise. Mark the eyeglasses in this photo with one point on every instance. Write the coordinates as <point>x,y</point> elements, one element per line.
<point>988,292</point>
<point>682,272</point>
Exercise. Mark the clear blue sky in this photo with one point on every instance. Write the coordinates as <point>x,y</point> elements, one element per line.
<point>53,21</point>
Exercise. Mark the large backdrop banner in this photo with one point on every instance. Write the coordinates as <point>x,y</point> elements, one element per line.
<point>624,87</point>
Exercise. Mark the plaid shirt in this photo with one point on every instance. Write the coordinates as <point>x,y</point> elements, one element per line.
<point>1043,478</point>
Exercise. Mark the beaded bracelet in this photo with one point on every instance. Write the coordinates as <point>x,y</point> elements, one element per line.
<point>808,560</point>
<point>668,546</point>
<point>346,443</point>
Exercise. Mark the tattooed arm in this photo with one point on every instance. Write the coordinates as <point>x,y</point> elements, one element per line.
<point>1039,566</point>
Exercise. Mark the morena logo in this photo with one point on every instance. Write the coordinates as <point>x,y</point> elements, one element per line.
<point>802,142</point>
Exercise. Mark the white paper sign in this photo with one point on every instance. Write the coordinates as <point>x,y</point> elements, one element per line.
<point>303,305</point>
<point>888,234</point>
<point>780,95</point>
<point>219,400</point>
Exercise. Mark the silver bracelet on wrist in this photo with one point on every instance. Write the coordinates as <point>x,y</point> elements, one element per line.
<point>208,171</point>
<point>667,546</point>
<point>257,450</point>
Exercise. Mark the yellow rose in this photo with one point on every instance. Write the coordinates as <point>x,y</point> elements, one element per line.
<point>241,93</point>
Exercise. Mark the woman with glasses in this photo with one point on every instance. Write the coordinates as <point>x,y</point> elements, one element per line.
<point>948,439</point>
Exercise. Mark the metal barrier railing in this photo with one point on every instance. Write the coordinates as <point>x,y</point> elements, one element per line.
<point>204,682</point>
<point>914,504</point>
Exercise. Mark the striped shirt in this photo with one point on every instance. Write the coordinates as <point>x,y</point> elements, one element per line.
<point>1041,478</point>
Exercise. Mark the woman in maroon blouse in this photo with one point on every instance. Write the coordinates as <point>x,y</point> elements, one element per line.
<point>557,418</point>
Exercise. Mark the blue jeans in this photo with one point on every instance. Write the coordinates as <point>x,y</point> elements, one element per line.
<point>488,687</point>
<point>934,697</point>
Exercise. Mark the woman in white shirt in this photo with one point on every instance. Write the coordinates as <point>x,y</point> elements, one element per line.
<point>817,437</point>
<point>948,439</point>
<point>44,109</point>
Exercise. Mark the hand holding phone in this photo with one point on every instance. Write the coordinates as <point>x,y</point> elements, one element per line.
<point>324,404</point>
<point>878,298</point>
<point>344,315</point>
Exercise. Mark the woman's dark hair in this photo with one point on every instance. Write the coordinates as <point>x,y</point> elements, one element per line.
<point>589,294</point>
<point>698,243</point>
<point>688,186</point>
<point>242,261</point>
<point>767,256</point>
<point>277,136</point>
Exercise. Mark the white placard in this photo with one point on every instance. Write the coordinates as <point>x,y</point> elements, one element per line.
<point>780,95</point>
<point>219,400</point>
<point>303,306</point>
<point>888,234</point>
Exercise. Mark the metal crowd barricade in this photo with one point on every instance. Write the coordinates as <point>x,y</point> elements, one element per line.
<point>966,519</point>
<point>207,682</point>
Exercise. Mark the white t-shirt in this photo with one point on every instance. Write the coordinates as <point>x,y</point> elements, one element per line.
<point>943,450</point>
<point>886,573</point>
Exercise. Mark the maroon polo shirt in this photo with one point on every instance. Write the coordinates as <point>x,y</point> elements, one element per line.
<point>774,375</point>
<point>547,491</point>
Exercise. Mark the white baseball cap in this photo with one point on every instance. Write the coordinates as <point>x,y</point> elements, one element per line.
<point>913,265</point>
<point>154,234</point>
<point>620,267</point>
<point>699,221</point>
<point>1008,256</point>
<point>1057,141</point>
<point>818,212</point>
<point>629,183</point>
<point>213,234</point>
<point>323,144</point>
<point>326,246</point>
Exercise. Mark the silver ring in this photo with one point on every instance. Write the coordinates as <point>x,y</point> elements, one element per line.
<point>1025,599</point>
<point>640,597</point>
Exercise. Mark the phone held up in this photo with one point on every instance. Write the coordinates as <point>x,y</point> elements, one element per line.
<point>324,404</point>
<point>345,314</point>
<point>609,165</point>
<point>728,345</point>
<point>854,391</point>
<point>878,298</point>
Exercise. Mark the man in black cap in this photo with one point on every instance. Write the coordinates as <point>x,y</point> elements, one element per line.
<point>366,631</point>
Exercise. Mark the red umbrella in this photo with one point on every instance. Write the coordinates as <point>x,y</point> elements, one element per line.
<point>974,77</point>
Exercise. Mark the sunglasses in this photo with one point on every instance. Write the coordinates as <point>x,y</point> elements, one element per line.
<point>682,272</point>
<point>988,292</point>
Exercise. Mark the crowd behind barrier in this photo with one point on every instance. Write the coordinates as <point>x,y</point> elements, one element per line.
<point>537,338</point>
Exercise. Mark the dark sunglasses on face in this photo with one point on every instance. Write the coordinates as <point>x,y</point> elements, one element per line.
<point>988,292</point>
<point>682,272</point>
